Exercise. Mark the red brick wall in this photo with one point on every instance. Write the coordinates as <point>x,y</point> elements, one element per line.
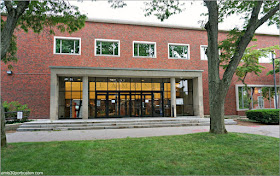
<point>30,82</point>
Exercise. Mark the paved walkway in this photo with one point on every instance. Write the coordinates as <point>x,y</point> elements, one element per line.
<point>40,136</point>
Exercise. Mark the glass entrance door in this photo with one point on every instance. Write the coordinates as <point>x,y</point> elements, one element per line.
<point>136,105</point>
<point>124,104</point>
<point>157,104</point>
<point>113,104</point>
<point>101,107</point>
<point>146,105</point>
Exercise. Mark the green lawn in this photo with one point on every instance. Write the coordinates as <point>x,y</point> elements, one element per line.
<point>192,154</point>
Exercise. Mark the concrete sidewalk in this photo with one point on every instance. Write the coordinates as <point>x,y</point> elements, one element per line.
<point>43,136</point>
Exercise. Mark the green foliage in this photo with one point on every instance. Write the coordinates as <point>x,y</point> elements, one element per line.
<point>229,46</point>
<point>14,106</point>
<point>277,66</point>
<point>117,3</point>
<point>250,60</point>
<point>268,116</point>
<point>267,95</point>
<point>45,15</point>
<point>244,8</point>
<point>163,9</point>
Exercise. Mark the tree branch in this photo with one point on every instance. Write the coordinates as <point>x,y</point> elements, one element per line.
<point>10,24</point>
<point>242,43</point>
<point>268,15</point>
<point>21,7</point>
<point>9,6</point>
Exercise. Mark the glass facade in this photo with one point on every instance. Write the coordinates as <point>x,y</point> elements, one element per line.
<point>123,97</point>
<point>184,97</point>
<point>257,97</point>
<point>70,97</point>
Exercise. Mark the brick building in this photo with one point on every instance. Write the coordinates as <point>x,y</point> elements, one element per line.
<point>124,69</point>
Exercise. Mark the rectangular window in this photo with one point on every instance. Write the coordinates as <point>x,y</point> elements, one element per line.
<point>244,98</point>
<point>67,45</point>
<point>267,59</point>
<point>144,49</point>
<point>203,49</point>
<point>104,47</point>
<point>178,51</point>
<point>260,102</point>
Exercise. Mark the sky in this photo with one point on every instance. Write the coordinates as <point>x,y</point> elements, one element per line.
<point>134,11</point>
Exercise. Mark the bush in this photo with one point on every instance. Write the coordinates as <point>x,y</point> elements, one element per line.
<point>264,115</point>
<point>13,107</point>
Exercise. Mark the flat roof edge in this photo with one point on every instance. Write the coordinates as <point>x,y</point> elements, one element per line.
<point>131,69</point>
<point>151,24</point>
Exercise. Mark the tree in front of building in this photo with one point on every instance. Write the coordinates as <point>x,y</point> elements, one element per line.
<point>249,65</point>
<point>36,16</point>
<point>254,13</point>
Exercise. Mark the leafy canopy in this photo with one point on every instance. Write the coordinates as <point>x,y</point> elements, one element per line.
<point>41,15</point>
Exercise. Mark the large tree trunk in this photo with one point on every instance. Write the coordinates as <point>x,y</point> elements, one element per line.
<point>3,133</point>
<point>217,124</point>
<point>218,87</point>
<point>216,100</point>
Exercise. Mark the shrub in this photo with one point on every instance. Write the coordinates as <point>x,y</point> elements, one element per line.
<point>264,115</point>
<point>15,106</point>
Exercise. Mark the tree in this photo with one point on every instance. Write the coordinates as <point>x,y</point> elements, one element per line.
<point>37,16</point>
<point>255,14</point>
<point>249,64</point>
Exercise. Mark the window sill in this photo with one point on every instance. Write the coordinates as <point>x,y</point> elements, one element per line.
<point>68,54</point>
<point>143,57</point>
<point>108,55</point>
<point>179,58</point>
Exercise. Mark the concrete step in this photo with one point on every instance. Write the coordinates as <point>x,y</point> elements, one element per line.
<point>110,127</point>
<point>102,124</point>
<point>92,124</point>
<point>115,121</point>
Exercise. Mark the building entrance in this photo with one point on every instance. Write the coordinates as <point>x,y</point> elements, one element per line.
<point>122,97</point>
<point>129,104</point>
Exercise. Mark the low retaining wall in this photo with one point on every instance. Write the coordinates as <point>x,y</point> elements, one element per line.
<point>12,127</point>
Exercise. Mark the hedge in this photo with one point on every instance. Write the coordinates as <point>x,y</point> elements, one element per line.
<point>264,115</point>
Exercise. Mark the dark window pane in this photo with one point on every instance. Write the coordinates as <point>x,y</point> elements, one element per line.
<point>143,50</point>
<point>108,48</point>
<point>136,49</point>
<point>67,46</point>
<point>57,47</point>
<point>98,47</point>
<point>178,51</point>
<point>77,46</point>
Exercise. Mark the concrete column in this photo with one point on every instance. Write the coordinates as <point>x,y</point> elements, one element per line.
<point>198,97</point>
<point>173,97</point>
<point>54,97</point>
<point>85,98</point>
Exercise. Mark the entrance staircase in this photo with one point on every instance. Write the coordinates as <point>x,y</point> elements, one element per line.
<point>115,123</point>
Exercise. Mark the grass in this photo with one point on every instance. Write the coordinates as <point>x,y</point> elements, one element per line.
<point>192,154</point>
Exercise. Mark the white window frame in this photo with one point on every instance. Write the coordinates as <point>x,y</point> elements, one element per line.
<point>67,38</point>
<point>179,44</point>
<point>270,56</point>
<point>107,40</point>
<point>204,53</point>
<point>144,42</point>
<point>249,85</point>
